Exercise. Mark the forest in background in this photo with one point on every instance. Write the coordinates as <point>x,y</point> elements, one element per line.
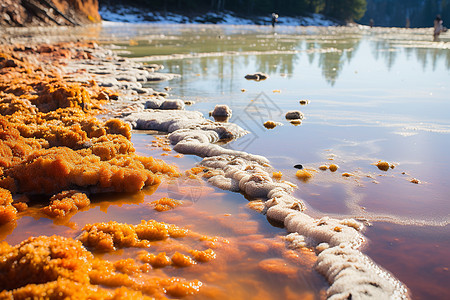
<point>395,13</point>
<point>343,10</point>
<point>387,13</point>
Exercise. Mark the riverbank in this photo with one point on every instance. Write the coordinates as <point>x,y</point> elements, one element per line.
<point>140,15</point>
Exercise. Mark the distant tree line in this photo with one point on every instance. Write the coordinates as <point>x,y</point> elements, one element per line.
<point>401,13</point>
<point>345,10</point>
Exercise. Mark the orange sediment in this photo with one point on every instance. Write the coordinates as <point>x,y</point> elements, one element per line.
<point>112,235</point>
<point>66,203</point>
<point>50,139</point>
<point>305,174</point>
<point>58,267</point>
<point>165,204</point>
<point>7,211</point>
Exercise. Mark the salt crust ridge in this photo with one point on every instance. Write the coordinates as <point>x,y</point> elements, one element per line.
<point>349,272</point>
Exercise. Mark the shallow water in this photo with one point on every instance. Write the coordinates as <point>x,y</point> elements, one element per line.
<point>373,95</point>
<point>379,94</point>
<point>240,267</point>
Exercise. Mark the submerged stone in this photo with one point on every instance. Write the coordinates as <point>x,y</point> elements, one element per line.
<point>257,76</point>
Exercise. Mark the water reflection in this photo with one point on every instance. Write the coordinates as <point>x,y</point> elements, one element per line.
<point>428,54</point>
<point>375,95</point>
<point>282,53</point>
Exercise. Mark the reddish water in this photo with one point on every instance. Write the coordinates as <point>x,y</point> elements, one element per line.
<point>255,264</point>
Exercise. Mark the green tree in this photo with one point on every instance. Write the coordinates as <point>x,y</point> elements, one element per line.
<point>347,10</point>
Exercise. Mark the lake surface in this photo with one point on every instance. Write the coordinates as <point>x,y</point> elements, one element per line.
<point>380,94</point>
<point>372,94</point>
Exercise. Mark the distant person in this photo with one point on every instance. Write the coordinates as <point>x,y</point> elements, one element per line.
<point>408,23</point>
<point>371,22</point>
<point>438,27</point>
<point>274,19</point>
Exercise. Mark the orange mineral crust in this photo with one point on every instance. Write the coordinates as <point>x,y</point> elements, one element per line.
<point>50,139</point>
<point>7,211</point>
<point>43,259</point>
<point>165,204</point>
<point>56,267</point>
<point>159,260</point>
<point>66,203</point>
<point>112,235</point>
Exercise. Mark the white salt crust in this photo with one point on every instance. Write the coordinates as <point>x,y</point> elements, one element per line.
<point>351,274</point>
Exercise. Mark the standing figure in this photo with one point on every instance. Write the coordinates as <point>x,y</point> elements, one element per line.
<point>274,19</point>
<point>438,27</point>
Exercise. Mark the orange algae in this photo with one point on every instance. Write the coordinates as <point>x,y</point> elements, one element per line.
<point>160,260</point>
<point>20,206</point>
<point>153,230</point>
<point>57,267</point>
<point>277,175</point>
<point>66,289</point>
<point>43,259</point>
<point>59,168</point>
<point>8,212</point>
<point>179,288</point>
<point>112,235</point>
<point>382,165</point>
<point>193,172</point>
<point>50,139</point>
<point>109,236</point>
<point>165,204</point>
<point>333,167</point>
<point>127,275</point>
<point>203,256</point>
<point>304,174</point>
<point>65,203</point>
<point>181,260</point>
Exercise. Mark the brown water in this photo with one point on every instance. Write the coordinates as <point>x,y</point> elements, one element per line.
<point>379,94</point>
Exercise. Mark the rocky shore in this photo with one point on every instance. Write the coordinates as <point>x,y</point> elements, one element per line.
<point>48,12</point>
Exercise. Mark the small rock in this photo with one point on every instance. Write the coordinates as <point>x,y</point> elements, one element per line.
<point>221,110</point>
<point>102,96</point>
<point>294,115</point>
<point>257,76</point>
<point>304,102</point>
<point>296,122</point>
<point>173,104</point>
<point>333,167</point>
<point>270,124</point>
